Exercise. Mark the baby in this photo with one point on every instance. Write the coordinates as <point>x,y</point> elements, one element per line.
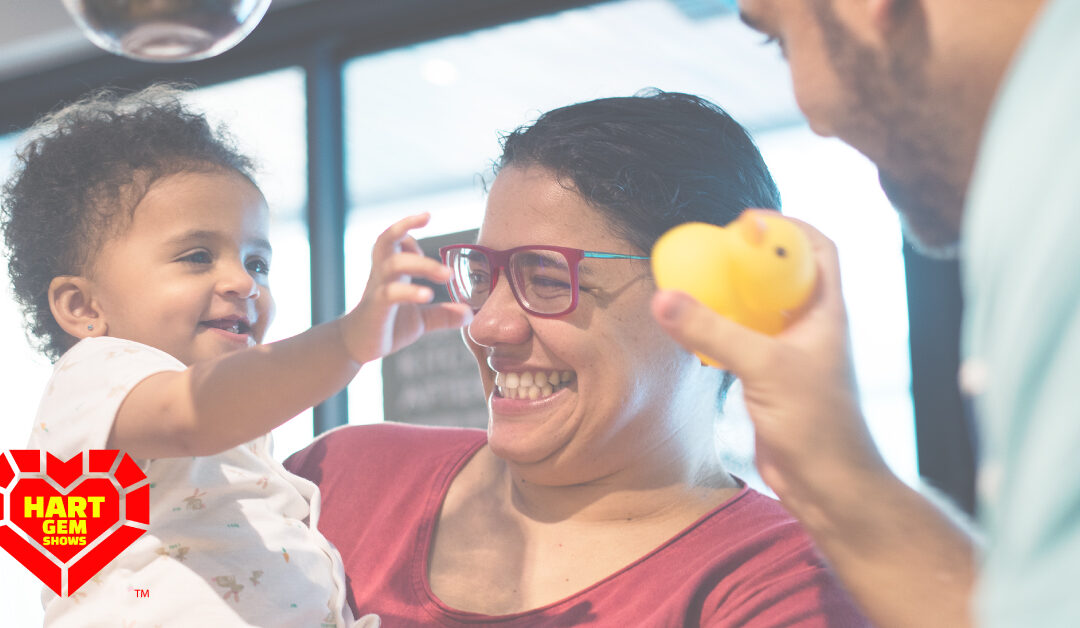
<point>139,252</point>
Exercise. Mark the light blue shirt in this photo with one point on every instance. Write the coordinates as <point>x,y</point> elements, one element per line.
<point>1021,269</point>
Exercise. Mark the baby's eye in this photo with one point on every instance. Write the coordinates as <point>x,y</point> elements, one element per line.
<point>258,266</point>
<point>197,257</point>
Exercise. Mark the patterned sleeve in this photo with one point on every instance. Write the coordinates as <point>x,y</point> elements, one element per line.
<point>87,386</point>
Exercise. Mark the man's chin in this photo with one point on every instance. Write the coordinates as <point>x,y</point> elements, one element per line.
<point>930,244</point>
<point>925,222</point>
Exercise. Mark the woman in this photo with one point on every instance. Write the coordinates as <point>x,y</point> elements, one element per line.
<point>596,497</point>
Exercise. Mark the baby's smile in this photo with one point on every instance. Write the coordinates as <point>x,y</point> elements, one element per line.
<point>231,324</point>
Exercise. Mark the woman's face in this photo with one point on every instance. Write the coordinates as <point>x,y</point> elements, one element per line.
<point>629,389</point>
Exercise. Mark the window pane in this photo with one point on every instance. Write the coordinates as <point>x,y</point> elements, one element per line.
<point>423,122</point>
<point>826,183</point>
<point>23,373</point>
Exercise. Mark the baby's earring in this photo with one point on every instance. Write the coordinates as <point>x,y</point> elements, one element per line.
<point>90,327</point>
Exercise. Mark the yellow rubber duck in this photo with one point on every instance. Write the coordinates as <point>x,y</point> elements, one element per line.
<point>757,271</point>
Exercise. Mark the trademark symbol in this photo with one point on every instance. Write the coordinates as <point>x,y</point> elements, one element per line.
<point>142,592</point>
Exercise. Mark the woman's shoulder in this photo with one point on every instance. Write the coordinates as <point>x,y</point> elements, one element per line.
<point>387,434</point>
<point>756,516</point>
<point>751,503</point>
<point>749,529</point>
<point>350,447</point>
<point>771,571</point>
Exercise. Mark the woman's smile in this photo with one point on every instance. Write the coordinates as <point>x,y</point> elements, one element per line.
<point>531,384</point>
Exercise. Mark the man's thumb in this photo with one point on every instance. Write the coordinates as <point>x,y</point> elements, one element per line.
<point>704,332</point>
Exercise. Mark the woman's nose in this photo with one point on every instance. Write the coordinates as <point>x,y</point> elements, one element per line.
<point>500,319</point>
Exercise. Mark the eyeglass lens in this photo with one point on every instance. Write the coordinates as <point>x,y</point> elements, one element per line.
<point>540,279</point>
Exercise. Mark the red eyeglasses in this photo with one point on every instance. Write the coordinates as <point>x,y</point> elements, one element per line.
<point>544,279</point>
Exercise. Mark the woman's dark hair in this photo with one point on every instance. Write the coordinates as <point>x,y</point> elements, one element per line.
<point>649,162</point>
<point>80,175</point>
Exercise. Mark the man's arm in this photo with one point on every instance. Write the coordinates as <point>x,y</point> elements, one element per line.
<point>905,561</point>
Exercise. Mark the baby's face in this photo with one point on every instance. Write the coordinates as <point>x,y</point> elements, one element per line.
<point>189,274</point>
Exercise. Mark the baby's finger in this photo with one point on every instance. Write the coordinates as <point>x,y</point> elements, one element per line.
<point>446,316</point>
<point>403,266</point>
<point>388,241</point>
<point>410,245</point>
<point>397,292</point>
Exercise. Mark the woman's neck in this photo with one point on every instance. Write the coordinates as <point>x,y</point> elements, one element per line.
<point>663,482</point>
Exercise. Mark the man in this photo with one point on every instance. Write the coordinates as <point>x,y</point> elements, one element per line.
<point>971,111</point>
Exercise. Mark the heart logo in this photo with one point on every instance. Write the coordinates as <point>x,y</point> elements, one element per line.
<point>64,521</point>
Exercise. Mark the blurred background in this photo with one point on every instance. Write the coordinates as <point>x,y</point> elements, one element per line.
<point>359,112</point>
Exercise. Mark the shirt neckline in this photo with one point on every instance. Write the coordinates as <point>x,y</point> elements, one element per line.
<point>438,609</point>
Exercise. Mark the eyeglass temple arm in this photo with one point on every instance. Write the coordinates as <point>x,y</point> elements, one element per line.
<point>599,255</point>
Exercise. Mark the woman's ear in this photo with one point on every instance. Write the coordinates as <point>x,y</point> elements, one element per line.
<point>74,308</point>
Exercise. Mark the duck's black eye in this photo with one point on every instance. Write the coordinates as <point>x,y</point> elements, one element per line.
<point>781,251</point>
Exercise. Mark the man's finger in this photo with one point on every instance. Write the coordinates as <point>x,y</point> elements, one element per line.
<point>702,331</point>
<point>828,287</point>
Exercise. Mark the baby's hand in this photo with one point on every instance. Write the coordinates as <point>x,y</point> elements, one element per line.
<point>394,313</point>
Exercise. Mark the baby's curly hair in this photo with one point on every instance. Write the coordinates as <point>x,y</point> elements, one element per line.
<point>78,178</point>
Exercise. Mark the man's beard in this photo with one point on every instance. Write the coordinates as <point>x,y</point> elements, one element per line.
<point>888,121</point>
<point>926,226</point>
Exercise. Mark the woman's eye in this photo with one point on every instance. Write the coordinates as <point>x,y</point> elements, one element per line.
<point>550,282</point>
<point>198,257</point>
<point>259,266</point>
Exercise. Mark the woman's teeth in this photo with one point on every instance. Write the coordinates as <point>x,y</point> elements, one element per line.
<point>531,384</point>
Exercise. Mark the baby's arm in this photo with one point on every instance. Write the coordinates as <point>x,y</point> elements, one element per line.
<point>220,403</point>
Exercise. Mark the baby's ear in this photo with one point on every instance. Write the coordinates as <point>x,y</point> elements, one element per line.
<point>73,307</point>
